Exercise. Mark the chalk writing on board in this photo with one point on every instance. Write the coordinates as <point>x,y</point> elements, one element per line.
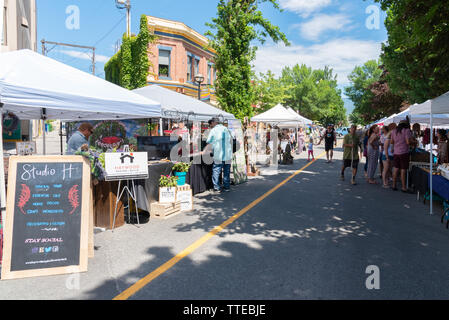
<point>30,172</point>
<point>48,215</point>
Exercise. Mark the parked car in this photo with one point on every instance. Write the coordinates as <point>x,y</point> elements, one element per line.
<point>341,132</point>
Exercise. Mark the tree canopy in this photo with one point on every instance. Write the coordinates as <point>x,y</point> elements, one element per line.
<point>238,24</point>
<point>313,93</point>
<point>371,94</point>
<point>417,52</point>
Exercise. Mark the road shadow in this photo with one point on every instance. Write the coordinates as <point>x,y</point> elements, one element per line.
<point>311,239</point>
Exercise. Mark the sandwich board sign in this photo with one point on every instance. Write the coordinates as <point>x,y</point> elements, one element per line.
<point>47,216</point>
<point>126,165</point>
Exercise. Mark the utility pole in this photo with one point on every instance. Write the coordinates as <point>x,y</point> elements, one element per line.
<point>45,51</point>
<point>125,4</point>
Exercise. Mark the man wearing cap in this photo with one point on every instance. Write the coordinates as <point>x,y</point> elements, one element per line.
<point>80,139</point>
<point>221,141</point>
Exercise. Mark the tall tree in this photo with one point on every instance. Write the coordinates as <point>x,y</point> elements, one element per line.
<point>371,94</point>
<point>417,52</point>
<point>314,94</point>
<point>238,24</point>
<point>361,78</point>
<point>269,91</point>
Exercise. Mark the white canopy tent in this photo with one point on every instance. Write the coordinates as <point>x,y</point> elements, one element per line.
<point>438,119</point>
<point>278,115</point>
<point>304,120</point>
<point>438,106</point>
<point>174,103</point>
<point>37,87</point>
<point>33,86</point>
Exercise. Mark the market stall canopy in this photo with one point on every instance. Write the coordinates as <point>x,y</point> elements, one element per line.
<point>177,104</point>
<point>438,105</point>
<point>32,85</point>
<point>302,119</point>
<point>438,119</point>
<point>278,115</point>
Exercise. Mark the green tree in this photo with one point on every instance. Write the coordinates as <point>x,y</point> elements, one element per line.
<point>129,68</point>
<point>269,91</point>
<point>371,94</point>
<point>417,52</point>
<point>361,78</point>
<point>238,24</point>
<point>314,94</point>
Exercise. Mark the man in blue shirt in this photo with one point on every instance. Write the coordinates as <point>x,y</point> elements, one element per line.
<point>80,139</point>
<point>221,140</point>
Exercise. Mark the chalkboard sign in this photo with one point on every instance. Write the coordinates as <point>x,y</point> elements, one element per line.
<point>47,216</point>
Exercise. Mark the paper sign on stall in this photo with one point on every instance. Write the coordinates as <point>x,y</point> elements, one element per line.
<point>126,165</point>
<point>26,148</point>
<point>186,199</point>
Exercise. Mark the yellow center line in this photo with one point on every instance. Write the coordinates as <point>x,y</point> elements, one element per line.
<point>173,261</point>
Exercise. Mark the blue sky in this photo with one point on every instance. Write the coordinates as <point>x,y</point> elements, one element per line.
<point>321,32</point>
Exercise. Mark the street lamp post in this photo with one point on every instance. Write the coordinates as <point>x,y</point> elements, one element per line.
<point>125,4</point>
<point>199,78</point>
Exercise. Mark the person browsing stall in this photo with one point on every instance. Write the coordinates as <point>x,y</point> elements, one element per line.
<point>80,139</point>
<point>221,140</point>
<point>401,138</point>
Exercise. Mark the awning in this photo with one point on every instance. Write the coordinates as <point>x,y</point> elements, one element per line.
<point>32,85</point>
<point>176,104</point>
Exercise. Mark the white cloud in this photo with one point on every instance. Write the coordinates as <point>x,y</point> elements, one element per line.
<point>314,28</point>
<point>342,55</point>
<point>304,7</point>
<point>85,55</point>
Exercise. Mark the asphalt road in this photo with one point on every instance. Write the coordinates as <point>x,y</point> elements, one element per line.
<point>313,238</point>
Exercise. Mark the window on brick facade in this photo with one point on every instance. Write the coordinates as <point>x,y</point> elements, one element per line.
<point>164,63</point>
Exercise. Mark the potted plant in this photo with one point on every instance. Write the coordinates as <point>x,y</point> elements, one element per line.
<point>180,170</point>
<point>167,189</point>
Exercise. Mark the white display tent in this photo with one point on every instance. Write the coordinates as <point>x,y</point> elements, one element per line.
<point>437,106</point>
<point>174,103</point>
<point>278,115</point>
<point>33,86</point>
<point>304,120</point>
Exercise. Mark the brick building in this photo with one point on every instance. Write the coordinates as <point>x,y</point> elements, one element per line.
<point>179,54</point>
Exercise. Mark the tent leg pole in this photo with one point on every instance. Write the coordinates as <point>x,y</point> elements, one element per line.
<point>60,138</point>
<point>2,173</point>
<point>44,150</point>
<point>431,163</point>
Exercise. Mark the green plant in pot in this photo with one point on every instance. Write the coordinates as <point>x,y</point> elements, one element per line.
<point>180,170</point>
<point>168,181</point>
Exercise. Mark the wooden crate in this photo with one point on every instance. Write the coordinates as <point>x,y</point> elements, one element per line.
<point>185,187</point>
<point>165,210</point>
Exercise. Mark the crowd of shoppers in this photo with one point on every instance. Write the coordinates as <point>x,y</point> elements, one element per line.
<point>389,149</point>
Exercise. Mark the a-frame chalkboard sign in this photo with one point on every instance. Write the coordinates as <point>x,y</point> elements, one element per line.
<point>47,216</point>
